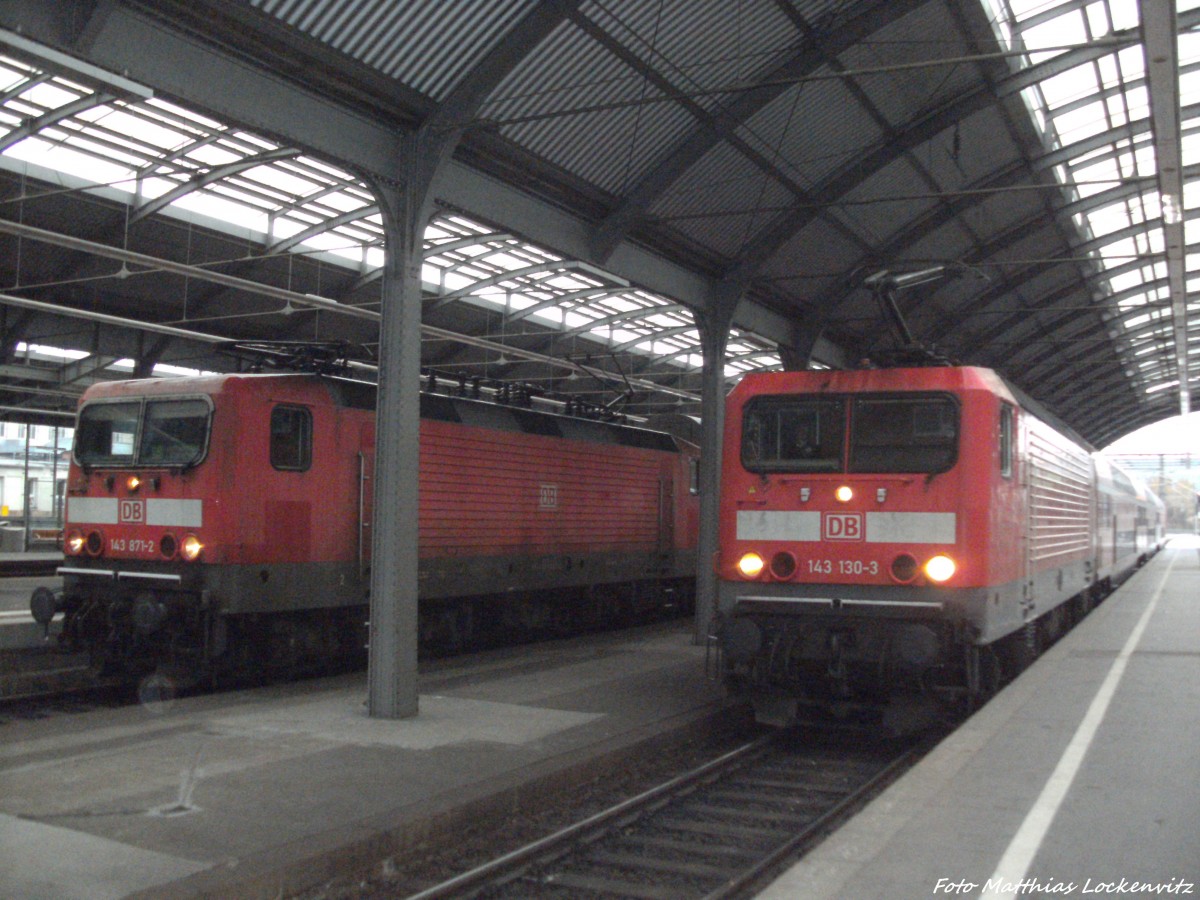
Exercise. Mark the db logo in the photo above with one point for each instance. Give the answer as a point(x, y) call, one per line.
point(132, 511)
point(842, 527)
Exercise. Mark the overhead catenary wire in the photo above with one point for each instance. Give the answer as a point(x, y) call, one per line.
point(302, 299)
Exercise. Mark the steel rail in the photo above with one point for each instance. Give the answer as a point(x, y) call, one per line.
point(530, 853)
point(847, 804)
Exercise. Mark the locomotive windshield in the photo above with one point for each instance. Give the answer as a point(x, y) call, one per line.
point(793, 434)
point(171, 433)
point(903, 434)
point(915, 433)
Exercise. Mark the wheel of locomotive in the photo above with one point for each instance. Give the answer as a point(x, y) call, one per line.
point(1056, 623)
point(1083, 603)
point(101, 660)
point(986, 675)
point(282, 648)
point(1019, 650)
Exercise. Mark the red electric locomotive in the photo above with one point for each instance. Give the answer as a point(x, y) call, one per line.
point(893, 541)
point(223, 522)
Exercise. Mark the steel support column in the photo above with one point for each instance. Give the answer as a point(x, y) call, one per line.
point(426, 153)
point(392, 663)
point(797, 354)
point(406, 208)
point(713, 324)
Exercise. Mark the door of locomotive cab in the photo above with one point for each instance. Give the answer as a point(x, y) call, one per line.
point(366, 495)
point(1025, 479)
point(666, 513)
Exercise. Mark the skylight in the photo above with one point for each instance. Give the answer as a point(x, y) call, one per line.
point(1116, 182)
point(169, 160)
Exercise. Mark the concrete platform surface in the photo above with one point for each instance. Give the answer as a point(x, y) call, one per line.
point(1079, 779)
point(260, 793)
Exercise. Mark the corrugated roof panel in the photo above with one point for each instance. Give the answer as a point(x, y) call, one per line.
point(559, 118)
point(950, 242)
point(568, 70)
point(1039, 242)
point(1005, 211)
point(926, 34)
point(967, 155)
point(723, 200)
point(699, 47)
point(631, 142)
point(815, 258)
point(886, 203)
point(817, 128)
point(426, 44)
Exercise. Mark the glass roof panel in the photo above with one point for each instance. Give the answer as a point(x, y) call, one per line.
point(1108, 97)
point(153, 148)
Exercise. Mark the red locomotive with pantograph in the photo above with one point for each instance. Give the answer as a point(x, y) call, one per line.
point(896, 542)
point(222, 523)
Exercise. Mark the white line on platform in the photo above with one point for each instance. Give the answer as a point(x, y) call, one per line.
point(1015, 862)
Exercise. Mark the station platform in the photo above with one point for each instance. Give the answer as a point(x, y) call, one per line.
point(267, 792)
point(17, 628)
point(40, 563)
point(1080, 778)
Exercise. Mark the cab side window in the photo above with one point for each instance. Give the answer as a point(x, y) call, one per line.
point(1006, 440)
point(291, 438)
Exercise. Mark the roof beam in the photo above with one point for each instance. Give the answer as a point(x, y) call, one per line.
point(780, 231)
point(346, 112)
point(212, 176)
point(33, 126)
point(321, 227)
point(806, 58)
point(1159, 32)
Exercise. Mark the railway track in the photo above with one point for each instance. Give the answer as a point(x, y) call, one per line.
point(64, 701)
point(38, 683)
point(26, 673)
point(713, 832)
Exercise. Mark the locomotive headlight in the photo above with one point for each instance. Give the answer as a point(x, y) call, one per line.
point(73, 542)
point(844, 494)
point(783, 565)
point(904, 568)
point(750, 565)
point(940, 568)
point(190, 548)
point(132, 483)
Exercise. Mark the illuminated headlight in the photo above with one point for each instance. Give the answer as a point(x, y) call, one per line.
point(750, 565)
point(73, 542)
point(132, 483)
point(844, 494)
point(940, 568)
point(190, 548)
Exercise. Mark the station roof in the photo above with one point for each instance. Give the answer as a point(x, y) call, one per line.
point(177, 173)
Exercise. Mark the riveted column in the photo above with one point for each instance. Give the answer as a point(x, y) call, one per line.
point(392, 663)
point(713, 324)
point(407, 208)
